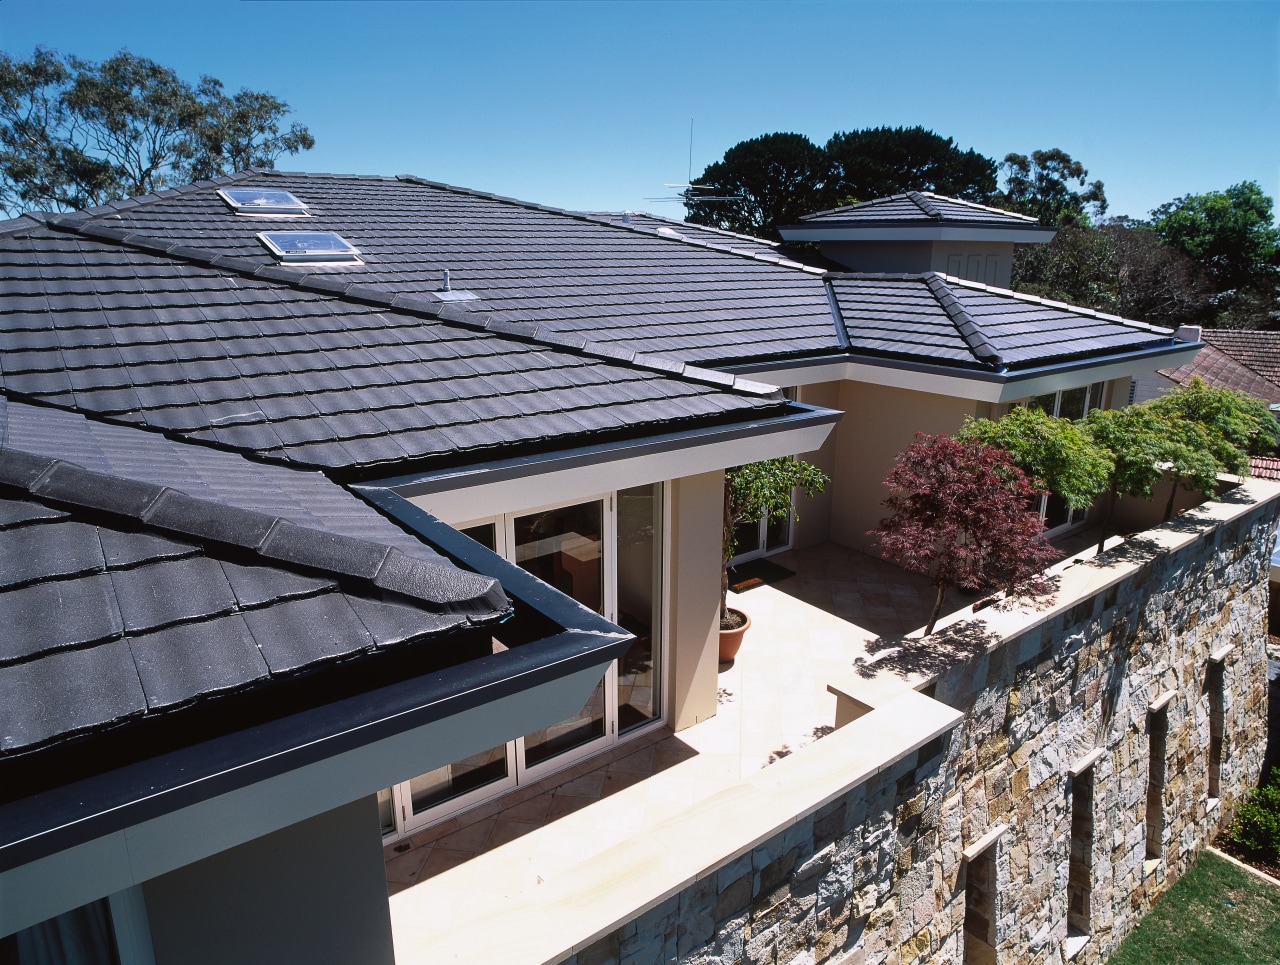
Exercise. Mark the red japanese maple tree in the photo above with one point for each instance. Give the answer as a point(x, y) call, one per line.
point(962, 513)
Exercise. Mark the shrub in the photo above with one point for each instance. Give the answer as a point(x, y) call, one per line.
point(1256, 828)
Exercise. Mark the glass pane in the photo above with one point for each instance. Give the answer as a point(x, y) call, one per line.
point(586, 725)
point(1045, 403)
point(563, 547)
point(486, 534)
point(82, 936)
point(386, 811)
point(746, 538)
point(777, 533)
point(457, 778)
point(1056, 512)
point(1072, 404)
point(1096, 395)
point(639, 602)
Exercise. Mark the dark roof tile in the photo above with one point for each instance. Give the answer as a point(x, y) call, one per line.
point(181, 663)
point(64, 693)
point(163, 593)
point(299, 633)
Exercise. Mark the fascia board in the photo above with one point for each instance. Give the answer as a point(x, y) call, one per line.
point(66, 878)
point(457, 496)
point(1029, 235)
point(976, 385)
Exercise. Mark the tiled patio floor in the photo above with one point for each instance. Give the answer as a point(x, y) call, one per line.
point(807, 630)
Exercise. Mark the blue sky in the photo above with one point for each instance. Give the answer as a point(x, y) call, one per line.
point(587, 105)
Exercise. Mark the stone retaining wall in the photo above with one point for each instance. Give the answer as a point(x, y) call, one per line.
point(1058, 720)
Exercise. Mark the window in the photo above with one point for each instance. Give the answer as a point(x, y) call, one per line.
point(1080, 861)
point(82, 936)
point(980, 908)
point(606, 553)
point(1216, 702)
point(1066, 404)
point(1157, 735)
point(254, 201)
point(309, 246)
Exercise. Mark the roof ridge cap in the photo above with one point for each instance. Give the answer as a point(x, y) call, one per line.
point(925, 204)
point(419, 305)
point(970, 331)
point(391, 572)
point(1074, 309)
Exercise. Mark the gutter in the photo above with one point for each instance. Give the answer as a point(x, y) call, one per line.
point(799, 416)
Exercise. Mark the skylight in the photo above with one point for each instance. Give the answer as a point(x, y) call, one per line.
point(309, 246)
point(262, 201)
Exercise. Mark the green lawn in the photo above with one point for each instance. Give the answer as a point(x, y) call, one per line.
point(1216, 914)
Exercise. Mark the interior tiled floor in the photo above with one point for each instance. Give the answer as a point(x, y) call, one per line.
point(806, 630)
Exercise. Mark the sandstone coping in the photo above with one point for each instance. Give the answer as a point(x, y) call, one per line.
point(553, 919)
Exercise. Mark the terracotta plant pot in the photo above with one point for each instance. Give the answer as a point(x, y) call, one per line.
point(731, 640)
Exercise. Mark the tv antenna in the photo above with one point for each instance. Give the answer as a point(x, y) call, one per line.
point(694, 192)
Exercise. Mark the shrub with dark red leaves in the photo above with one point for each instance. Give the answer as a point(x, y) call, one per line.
point(961, 513)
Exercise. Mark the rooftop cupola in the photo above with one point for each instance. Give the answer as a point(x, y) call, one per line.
point(918, 232)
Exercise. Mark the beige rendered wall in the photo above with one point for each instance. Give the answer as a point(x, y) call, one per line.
point(879, 423)
point(814, 523)
point(313, 892)
point(697, 509)
point(986, 262)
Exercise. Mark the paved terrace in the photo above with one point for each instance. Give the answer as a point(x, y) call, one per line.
point(842, 610)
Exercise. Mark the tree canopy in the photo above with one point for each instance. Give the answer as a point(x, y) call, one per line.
point(1040, 185)
point(778, 178)
point(1232, 238)
point(958, 511)
point(74, 133)
point(879, 161)
point(1053, 452)
point(1120, 268)
point(770, 180)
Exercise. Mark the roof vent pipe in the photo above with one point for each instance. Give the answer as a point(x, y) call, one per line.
point(444, 282)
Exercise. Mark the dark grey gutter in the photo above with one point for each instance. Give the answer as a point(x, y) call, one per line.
point(976, 374)
point(417, 484)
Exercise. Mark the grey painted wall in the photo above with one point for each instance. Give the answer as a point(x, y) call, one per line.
point(314, 892)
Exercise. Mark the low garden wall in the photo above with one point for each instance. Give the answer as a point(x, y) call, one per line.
point(1070, 789)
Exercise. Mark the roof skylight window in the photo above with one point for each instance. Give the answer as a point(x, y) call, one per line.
point(262, 201)
point(309, 246)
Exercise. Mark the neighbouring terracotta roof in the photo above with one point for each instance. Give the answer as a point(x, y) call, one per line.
point(1223, 369)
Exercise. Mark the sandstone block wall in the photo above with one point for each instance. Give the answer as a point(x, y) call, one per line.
point(1057, 737)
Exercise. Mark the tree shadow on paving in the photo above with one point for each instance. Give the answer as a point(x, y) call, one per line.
point(904, 656)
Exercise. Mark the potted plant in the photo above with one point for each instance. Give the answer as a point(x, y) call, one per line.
point(751, 493)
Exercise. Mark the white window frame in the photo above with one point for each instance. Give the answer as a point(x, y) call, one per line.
point(518, 773)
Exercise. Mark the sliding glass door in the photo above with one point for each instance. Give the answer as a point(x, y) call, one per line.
point(605, 553)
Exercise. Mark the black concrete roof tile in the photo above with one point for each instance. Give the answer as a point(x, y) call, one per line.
point(392, 623)
point(255, 586)
point(181, 663)
point(122, 549)
point(299, 633)
point(172, 591)
point(56, 615)
point(331, 552)
point(61, 694)
point(16, 513)
point(53, 549)
point(206, 520)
